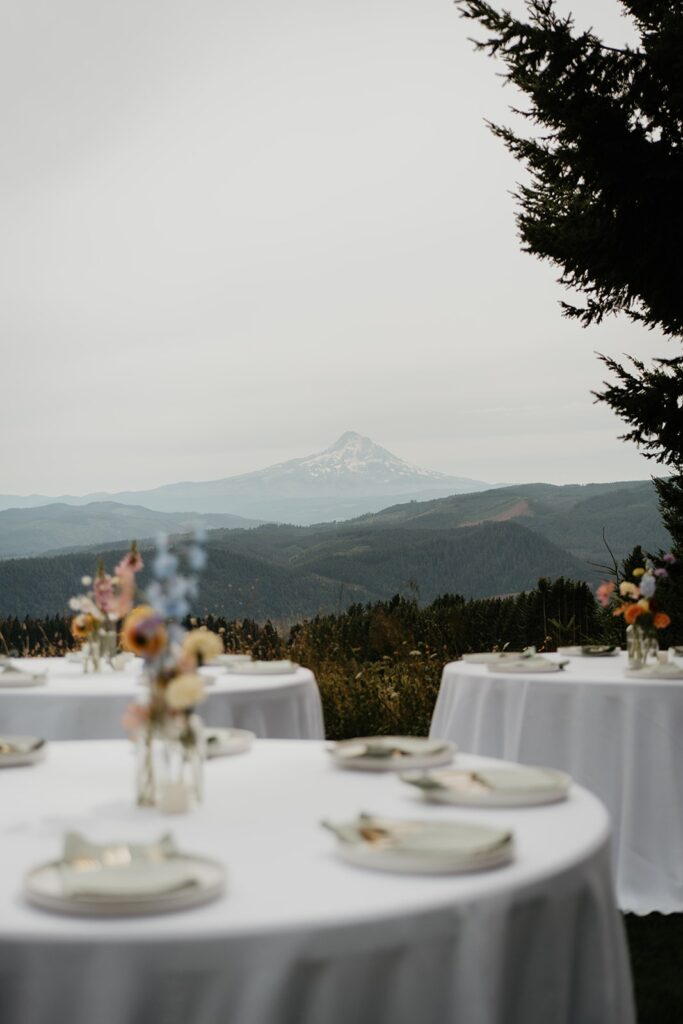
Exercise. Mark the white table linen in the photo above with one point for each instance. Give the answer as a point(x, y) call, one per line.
point(73, 705)
point(620, 737)
point(301, 937)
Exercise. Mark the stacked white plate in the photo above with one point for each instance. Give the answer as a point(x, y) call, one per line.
point(230, 660)
point(262, 668)
point(121, 879)
point(589, 651)
point(523, 665)
point(391, 753)
point(222, 742)
point(667, 671)
point(496, 786)
point(421, 847)
point(18, 750)
point(12, 677)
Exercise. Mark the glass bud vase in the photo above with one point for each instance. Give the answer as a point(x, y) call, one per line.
point(170, 763)
point(641, 644)
point(92, 654)
point(109, 642)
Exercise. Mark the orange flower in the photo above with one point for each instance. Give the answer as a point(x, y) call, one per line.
point(82, 626)
point(661, 620)
point(143, 632)
point(632, 612)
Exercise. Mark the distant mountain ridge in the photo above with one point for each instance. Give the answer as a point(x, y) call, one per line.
point(353, 476)
point(488, 544)
point(50, 528)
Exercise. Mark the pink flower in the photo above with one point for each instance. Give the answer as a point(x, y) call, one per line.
point(134, 718)
point(668, 557)
point(604, 593)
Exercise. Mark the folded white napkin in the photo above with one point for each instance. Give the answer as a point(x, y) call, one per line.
point(119, 870)
point(450, 837)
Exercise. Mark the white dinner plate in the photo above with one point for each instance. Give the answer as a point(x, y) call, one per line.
point(527, 665)
point(27, 750)
point(391, 753)
point(13, 678)
point(44, 888)
point(420, 847)
point(221, 742)
point(490, 657)
point(228, 660)
point(503, 786)
point(589, 651)
point(669, 671)
point(262, 668)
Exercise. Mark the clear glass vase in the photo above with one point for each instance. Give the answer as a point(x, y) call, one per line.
point(92, 654)
point(170, 763)
point(109, 642)
point(641, 645)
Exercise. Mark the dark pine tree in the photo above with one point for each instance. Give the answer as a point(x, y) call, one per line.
point(604, 202)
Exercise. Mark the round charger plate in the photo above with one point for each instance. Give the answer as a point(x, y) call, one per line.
point(262, 668)
point(670, 671)
point(458, 786)
point(489, 657)
point(31, 756)
point(589, 651)
point(417, 752)
point(227, 741)
point(526, 665)
point(437, 861)
point(43, 888)
point(227, 660)
point(14, 679)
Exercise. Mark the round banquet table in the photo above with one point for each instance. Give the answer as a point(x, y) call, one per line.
point(620, 737)
point(73, 705)
point(300, 936)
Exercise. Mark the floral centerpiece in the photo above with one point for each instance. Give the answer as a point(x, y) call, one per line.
point(99, 610)
point(637, 600)
point(167, 729)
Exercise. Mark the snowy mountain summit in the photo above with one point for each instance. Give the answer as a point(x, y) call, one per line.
point(360, 459)
point(351, 477)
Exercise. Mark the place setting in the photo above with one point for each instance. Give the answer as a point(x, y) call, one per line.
point(121, 879)
point(421, 847)
point(12, 677)
point(501, 785)
point(16, 751)
point(391, 753)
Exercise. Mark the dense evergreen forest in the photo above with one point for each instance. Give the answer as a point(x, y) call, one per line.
point(379, 664)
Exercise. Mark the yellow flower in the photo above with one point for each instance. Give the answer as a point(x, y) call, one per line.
point(644, 604)
point(82, 626)
point(202, 645)
point(627, 589)
point(184, 692)
point(638, 572)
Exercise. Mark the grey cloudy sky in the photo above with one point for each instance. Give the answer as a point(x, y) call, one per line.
point(233, 229)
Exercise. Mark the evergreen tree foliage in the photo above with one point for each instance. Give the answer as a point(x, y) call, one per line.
point(604, 202)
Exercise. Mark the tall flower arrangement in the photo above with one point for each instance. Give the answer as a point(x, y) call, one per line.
point(100, 608)
point(166, 727)
point(637, 600)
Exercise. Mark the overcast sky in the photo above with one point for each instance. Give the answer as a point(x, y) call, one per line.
point(234, 229)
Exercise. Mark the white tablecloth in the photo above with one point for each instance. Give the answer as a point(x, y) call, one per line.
point(621, 738)
point(73, 705)
point(301, 937)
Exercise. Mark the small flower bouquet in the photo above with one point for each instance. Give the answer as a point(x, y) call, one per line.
point(99, 610)
point(636, 599)
point(167, 730)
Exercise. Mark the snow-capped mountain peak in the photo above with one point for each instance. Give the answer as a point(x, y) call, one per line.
point(354, 455)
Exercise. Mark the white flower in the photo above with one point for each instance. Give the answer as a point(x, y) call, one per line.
point(184, 692)
point(86, 580)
